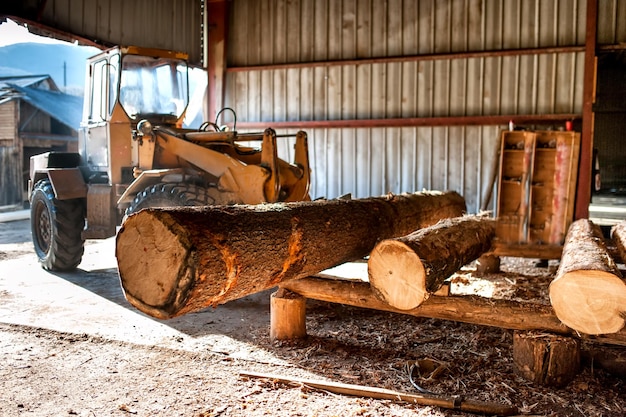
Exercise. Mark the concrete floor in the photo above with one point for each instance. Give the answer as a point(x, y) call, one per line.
point(90, 301)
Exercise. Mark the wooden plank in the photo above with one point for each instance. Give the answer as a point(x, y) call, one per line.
point(514, 315)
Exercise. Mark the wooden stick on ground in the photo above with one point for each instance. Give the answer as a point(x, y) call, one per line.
point(404, 271)
point(179, 260)
point(444, 401)
point(588, 293)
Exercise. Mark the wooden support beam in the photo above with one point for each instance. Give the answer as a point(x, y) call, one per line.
point(514, 315)
point(583, 192)
point(216, 30)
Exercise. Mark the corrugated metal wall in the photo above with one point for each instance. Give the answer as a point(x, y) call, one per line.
point(375, 161)
point(166, 24)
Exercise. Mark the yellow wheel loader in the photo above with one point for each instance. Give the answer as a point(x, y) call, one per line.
point(134, 154)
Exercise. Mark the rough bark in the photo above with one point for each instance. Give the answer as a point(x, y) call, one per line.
point(588, 293)
point(404, 271)
point(179, 260)
point(618, 233)
point(546, 359)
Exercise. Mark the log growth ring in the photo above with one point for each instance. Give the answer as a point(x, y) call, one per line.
point(391, 262)
point(591, 302)
point(162, 250)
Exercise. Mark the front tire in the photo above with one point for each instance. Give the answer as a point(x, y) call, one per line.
point(163, 195)
point(56, 227)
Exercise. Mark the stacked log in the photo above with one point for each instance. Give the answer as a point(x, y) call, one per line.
point(405, 271)
point(618, 233)
point(173, 261)
point(588, 293)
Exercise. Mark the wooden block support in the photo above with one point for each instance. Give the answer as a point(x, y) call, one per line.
point(546, 359)
point(287, 315)
point(488, 264)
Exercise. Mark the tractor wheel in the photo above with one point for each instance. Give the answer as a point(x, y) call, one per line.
point(56, 227)
point(170, 195)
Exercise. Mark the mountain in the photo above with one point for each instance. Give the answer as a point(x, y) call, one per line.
point(64, 63)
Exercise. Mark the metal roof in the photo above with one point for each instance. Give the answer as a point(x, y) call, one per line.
point(65, 108)
point(25, 81)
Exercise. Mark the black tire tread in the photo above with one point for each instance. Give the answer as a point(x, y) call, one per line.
point(170, 195)
point(67, 219)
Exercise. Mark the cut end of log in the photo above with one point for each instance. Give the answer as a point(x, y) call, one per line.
point(397, 274)
point(158, 249)
point(591, 302)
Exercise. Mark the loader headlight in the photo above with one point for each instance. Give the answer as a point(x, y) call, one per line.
point(144, 127)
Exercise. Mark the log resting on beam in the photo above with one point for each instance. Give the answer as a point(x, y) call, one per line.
point(588, 293)
point(513, 315)
point(404, 271)
point(174, 261)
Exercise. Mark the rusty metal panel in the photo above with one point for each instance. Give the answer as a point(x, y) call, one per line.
point(370, 162)
point(374, 161)
point(166, 24)
point(67, 183)
point(527, 84)
point(612, 18)
point(283, 31)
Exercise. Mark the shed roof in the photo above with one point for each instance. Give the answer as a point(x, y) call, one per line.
point(26, 81)
point(65, 108)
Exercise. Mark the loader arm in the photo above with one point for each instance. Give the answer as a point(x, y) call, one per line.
point(253, 183)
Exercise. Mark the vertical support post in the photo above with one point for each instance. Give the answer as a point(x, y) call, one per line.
point(287, 315)
point(583, 192)
point(216, 31)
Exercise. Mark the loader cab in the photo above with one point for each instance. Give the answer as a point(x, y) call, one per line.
point(123, 86)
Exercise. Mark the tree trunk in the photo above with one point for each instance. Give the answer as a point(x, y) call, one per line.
point(176, 261)
point(404, 271)
point(588, 293)
point(546, 359)
point(618, 232)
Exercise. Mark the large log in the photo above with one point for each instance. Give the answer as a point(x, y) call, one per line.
point(179, 260)
point(588, 293)
point(404, 271)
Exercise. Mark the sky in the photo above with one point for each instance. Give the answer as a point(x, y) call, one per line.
point(11, 32)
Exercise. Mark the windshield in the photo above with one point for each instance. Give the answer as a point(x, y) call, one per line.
point(153, 86)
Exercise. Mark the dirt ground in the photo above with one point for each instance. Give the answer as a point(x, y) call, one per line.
point(71, 345)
